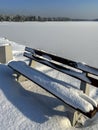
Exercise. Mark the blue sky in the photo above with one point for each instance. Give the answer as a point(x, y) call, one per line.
point(67, 8)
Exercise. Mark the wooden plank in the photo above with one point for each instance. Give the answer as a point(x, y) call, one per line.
point(74, 64)
point(77, 75)
point(58, 67)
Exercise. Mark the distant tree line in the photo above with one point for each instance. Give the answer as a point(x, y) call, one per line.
point(22, 18)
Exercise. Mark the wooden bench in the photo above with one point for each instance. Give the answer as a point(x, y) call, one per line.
point(59, 88)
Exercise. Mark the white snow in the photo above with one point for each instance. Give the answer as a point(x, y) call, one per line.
point(27, 106)
point(74, 40)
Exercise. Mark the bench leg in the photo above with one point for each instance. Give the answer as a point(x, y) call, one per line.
point(85, 87)
point(72, 114)
point(32, 63)
point(74, 117)
point(19, 77)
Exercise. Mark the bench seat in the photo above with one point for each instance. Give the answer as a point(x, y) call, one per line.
point(69, 95)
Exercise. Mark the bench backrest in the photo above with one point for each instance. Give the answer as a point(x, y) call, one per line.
point(78, 70)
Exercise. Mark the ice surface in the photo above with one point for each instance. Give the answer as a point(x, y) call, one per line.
point(73, 40)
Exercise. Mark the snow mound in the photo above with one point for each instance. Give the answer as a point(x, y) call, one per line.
point(17, 49)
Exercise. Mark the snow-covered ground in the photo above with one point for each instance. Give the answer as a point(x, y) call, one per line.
point(74, 40)
point(25, 105)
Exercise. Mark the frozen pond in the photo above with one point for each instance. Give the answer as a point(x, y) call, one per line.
point(75, 40)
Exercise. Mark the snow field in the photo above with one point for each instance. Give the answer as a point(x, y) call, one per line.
point(22, 109)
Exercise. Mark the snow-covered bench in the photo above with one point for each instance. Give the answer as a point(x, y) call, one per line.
point(67, 93)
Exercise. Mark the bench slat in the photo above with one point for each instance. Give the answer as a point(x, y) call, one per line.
point(77, 65)
point(78, 75)
point(68, 71)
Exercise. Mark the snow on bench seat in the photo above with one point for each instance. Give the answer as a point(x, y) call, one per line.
point(71, 96)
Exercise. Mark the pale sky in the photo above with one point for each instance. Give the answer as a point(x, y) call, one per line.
point(66, 8)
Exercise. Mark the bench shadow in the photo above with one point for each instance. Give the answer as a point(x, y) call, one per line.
point(35, 106)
